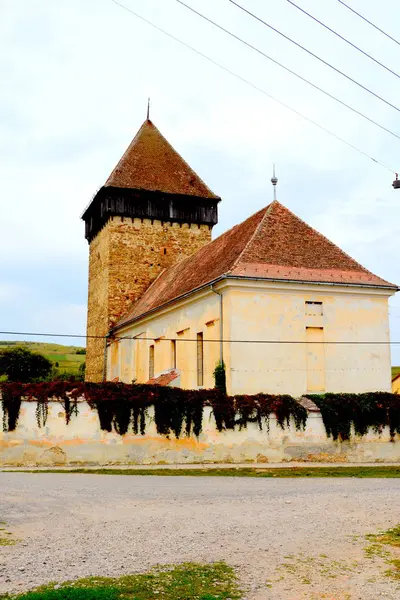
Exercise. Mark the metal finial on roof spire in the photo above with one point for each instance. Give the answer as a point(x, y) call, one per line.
point(148, 109)
point(274, 181)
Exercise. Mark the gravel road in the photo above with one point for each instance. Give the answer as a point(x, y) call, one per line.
point(287, 538)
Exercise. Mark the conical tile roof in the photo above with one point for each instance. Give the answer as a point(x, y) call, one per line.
point(151, 163)
point(273, 244)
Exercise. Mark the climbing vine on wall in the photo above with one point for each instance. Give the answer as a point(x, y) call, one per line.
point(125, 407)
point(258, 409)
point(343, 412)
point(11, 403)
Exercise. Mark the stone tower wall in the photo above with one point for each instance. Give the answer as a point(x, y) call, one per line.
point(125, 257)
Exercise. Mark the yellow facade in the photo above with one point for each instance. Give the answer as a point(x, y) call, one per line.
point(279, 337)
point(396, 385)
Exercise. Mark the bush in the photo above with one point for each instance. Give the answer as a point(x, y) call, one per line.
point(220, 377)
point(24, 366)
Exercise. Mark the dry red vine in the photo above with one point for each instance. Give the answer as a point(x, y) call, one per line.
point(123, 407)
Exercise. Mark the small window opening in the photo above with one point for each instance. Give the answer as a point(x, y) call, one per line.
point(314, 308)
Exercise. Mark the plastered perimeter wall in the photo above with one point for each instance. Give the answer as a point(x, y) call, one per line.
point(83, 443)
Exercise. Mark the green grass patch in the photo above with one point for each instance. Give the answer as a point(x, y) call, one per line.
point(389, 537)
point(189, 581)
point(394, 571)
point(5, 536)
point(359, 472)
point(380, 541)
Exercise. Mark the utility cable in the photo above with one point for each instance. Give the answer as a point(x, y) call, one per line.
point(326, 63)
point(254, 86)
point(343, 38)
point(239, 39)
point(182, 339)
point(369, 22)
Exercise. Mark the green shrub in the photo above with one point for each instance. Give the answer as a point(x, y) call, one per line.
point(220, 377)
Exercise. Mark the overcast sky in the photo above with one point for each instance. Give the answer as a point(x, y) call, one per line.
point(75, 77)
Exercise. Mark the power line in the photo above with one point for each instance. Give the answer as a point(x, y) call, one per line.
point(309, 52)
point(182, 339)
point(343, 38)
point(254, 86)
point(239, 39)
point(369, 22)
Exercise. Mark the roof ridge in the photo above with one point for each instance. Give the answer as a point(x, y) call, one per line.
point(267, 211)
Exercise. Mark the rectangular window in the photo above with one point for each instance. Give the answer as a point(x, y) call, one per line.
point(200, 359)
point(151, 362)
point(314, 308)
point(315, 359)
point(173, 354)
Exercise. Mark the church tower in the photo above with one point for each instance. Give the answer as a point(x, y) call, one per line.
point(152, 212)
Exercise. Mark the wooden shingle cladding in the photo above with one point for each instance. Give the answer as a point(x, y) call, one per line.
point(144, 204)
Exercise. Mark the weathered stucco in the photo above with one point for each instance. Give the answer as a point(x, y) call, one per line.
point(124, 259)
point(83, 443)
point(303, 354)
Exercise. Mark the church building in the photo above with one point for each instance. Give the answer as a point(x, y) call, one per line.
point(280, 305)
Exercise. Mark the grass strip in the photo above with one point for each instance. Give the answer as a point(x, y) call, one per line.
point(361, 472)
point(188, 581)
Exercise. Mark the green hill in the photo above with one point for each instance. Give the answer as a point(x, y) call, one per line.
point(66, 356)
point(395, 371)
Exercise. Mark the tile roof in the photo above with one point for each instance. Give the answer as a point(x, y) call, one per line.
point(271, 244)
point(164, 378)
point(151, 163)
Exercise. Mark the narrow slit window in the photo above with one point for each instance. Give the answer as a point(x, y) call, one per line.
point(151, 362)
point(200, 359)
point(314, 308)
point(173, 354)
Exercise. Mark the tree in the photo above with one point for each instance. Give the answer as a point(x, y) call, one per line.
point(20, 364)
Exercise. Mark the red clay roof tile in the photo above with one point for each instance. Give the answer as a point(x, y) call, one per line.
point(271, 244)
point(151, 163)
point(164, 378)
